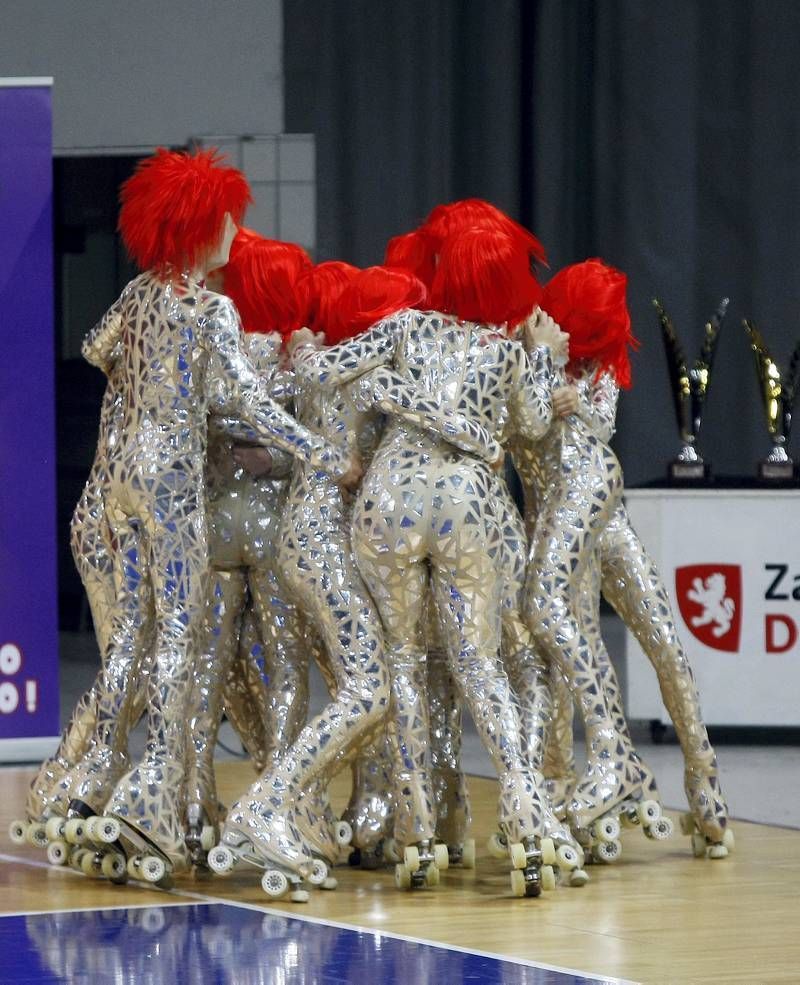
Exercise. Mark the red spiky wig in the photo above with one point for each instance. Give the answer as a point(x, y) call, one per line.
point(371, 295)
point(413, 252)
point(484, 276)
point(468, 213)
point(588, 301)
point(174, 205)
point(319, 290)
point(261, 279)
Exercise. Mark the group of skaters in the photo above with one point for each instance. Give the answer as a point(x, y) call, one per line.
point(304, 461)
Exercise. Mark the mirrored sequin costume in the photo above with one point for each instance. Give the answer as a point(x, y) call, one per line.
point(320, 579)
point(575, 481)
point(425, 513)
point(631, 583)
point(244, 513)
point(180, 357)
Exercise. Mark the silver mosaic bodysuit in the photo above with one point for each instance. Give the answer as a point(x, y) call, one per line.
point(180, 358)
point(426, 514)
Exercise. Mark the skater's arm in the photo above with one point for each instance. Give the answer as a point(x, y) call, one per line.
point(530, 402)
point(338, 364)
point(384, 389)
point(248, 394)
point(101, 345)
point(597, 402)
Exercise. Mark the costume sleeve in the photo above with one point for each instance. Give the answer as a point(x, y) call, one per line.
point(246, 393)
point(597, 403)
point(530, 402)
point(101, 345)
point(338, 364)
point(392, 394)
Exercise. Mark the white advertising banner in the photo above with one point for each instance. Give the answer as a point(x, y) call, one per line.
point(731, 562)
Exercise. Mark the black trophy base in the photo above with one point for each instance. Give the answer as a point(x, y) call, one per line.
point(776, 472)
point(689, 473)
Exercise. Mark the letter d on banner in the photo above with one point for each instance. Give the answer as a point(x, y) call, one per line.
point(29, 707)
point(780, 633)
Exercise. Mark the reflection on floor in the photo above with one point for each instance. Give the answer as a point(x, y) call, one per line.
point(223, 943)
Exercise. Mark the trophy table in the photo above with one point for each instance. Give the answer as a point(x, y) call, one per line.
point(690, 386)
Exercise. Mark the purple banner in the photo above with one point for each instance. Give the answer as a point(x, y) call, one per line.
point(29, 703)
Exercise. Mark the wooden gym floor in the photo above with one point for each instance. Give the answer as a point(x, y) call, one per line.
point(657, 916)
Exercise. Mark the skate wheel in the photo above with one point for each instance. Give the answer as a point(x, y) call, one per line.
point(390, 850)
point(16, 832)
point(432, 876)
point(274, 883)
point(54, 828)
point(629, 819)
point(517, 882)
point(88, 867)
point(698, 845)
point(688, 826)
point(221, 859)
point(330, 883)
point(402, 876)
point(548, 849)
point(441, 857)
point(547, 875)
point(343, 832)
point(661, 829)
point(608, 829)
point(57, 853)
point(608, 851)
point(728, 839)
point(567, 858)
point(649, 811)
point(519, 857)
point(113, 865)
point(411, 858)
point(153, 868)
point(75, 830)
point(299, 896)
point(319, 872)
point(106, 830)
point(75, 858)
point(468, 854)
point(578, 877)
point(208, 838)
point(497, 846)
point(717, 851)
point(36, 835)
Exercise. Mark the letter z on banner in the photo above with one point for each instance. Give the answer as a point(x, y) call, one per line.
point(29, 708)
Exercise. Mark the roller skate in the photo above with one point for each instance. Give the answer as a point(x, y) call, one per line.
point(370, 812)
point(323, 834)
point(566, 857)
point(269, 840)
point(38, 805)
point(145, 813)
point(707, 824)
point(532, 853)
point(202, 832)
point(609, 794)
point(453, 816)
point(419, 858)
point(559, 791)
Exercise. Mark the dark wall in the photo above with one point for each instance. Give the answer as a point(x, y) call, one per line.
point(664, 137)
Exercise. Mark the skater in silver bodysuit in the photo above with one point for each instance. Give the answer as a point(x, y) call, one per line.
point(622, 568)
point(318, 570)
point(179, 353)
point(244, 514)
point(426, 508)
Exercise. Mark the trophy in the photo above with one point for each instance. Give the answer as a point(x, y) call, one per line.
point(689, 390)
point(778, 391)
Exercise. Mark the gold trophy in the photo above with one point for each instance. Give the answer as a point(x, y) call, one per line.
point(778, 391)
point(689, 390)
